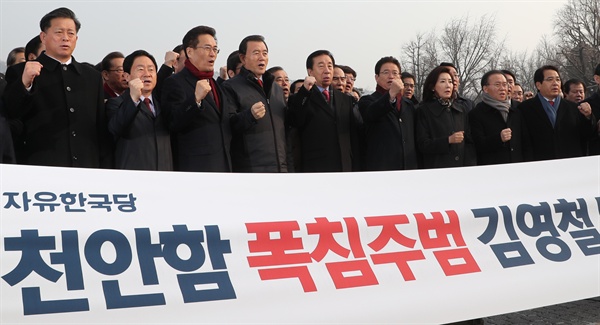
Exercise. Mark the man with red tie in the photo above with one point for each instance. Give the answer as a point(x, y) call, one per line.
point(142, 140)
point(324, 117)
point(258, 119)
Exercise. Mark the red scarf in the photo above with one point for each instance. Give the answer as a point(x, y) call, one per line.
point(382, 91)
point(205, 75)
point(109, 91)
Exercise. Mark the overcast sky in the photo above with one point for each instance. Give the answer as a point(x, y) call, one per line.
point(358, 33)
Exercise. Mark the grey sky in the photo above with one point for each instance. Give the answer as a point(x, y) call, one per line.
point(358, 33)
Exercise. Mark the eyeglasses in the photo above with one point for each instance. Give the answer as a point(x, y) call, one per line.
point(209, 48)
point(119, 70)
point(339, 78)
point(350, 79)
point(388, 72)
point(500, 85)
point(409, 85)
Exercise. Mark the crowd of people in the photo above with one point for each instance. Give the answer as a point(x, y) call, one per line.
point(128, 112)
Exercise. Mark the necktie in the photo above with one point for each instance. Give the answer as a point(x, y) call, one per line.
point(147, 103)
point(551, 103)
point(326, 94)
point(260, 83)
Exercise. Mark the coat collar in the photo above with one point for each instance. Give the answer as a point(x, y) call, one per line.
point(52, 64)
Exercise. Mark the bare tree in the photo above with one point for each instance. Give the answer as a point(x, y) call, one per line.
point(578, 34)
point(472, 49)
point(420, 57)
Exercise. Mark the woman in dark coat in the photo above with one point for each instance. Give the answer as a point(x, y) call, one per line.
point(443, 132)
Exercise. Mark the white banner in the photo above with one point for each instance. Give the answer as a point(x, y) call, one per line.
point(427, 246)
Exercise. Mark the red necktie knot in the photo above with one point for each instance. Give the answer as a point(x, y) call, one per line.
point(326, 94)
point(147, 103)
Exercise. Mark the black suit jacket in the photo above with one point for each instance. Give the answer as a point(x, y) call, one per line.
point(201, 135)
point(486, 125)
point(328, 133)
point(63, 116)
point(390, 136)
point(142, 140)
point(594, 142)
point(566, 139)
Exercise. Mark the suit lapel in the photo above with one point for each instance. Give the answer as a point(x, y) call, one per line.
point(538, 108)
point(320, 102)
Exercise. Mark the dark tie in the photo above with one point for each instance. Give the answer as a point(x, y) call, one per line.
point(260, 83)
point(326, 94)
point(551, 103)
point(147, 103)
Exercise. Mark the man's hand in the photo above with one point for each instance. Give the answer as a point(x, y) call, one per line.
point(32, 70)
point(258, 110)
point(135, 89)
point(585, 109)
point(202, 89)
point(506, 135)
point(171, 59)
point(457, 137)
point(309, 82)
point(396, 88)
point(223, 73)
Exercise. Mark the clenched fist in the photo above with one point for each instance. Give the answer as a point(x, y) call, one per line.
point(135, 89)
point(396, 88)
point(258, 110)
point(457, 137)
point(202, 89)
point(309, 82)
point(32, 70)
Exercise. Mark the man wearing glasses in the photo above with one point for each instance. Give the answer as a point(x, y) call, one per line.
point(557, 128)
point(196, 109)
point(113, 75)
point(409, 82)
point(389, 120)
point(258, 123)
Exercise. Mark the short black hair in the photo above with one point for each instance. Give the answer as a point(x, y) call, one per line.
point(597, 70)
point(508, 72)
point(407, 75)
point(252, 38)
point(33, 46)
point(128, 62)
point(384, 60)
point(295, 84)
point(538, 76)
point(486, 77)
point(233, 60)
point(272, 70)
point(567, 86)
point(349, 70)
point(448, 64)
point(191, 37)
point(59, 13)
point(106, 62)
point(12, 56)
point(313, 55)
point(178, 48)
